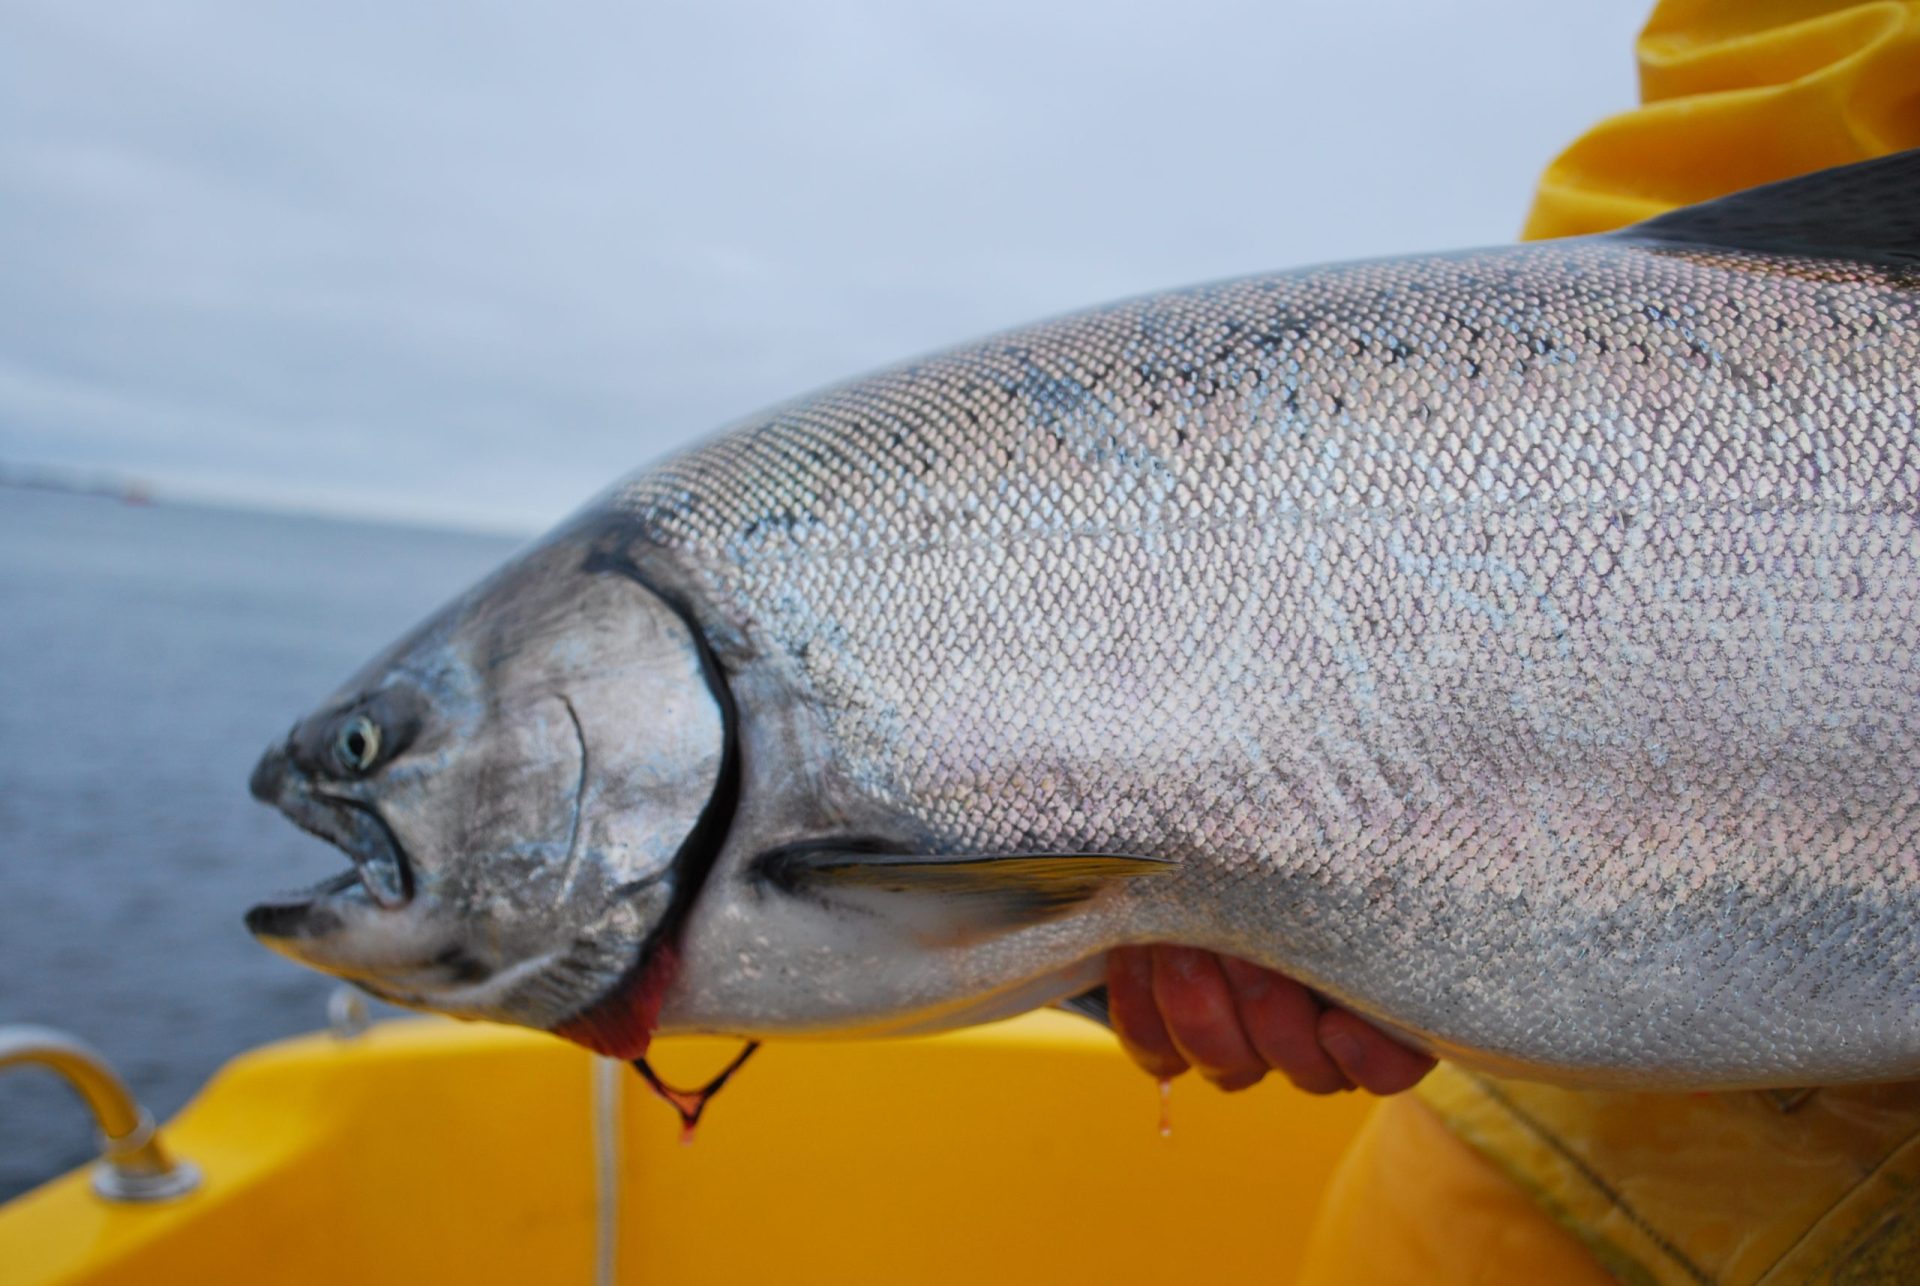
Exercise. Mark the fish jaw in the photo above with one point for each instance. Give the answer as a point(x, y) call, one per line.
point(386, 924)
point(337, 928)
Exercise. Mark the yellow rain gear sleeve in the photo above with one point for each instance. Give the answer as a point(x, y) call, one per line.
point(1475, 1179)
point(1763, 1187)
point(1411, 1202)
point(1735, 93)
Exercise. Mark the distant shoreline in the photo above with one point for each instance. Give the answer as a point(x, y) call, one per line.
point(105, 486)
point(135, 492)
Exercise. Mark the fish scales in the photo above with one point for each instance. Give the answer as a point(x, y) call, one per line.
point(1517, 645)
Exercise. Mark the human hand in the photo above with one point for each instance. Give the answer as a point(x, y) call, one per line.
point(1180, 1007)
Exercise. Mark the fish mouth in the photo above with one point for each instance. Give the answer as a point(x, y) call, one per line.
point(380, 864)
point(285, 915)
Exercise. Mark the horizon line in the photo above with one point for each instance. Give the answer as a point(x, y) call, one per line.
point(110, 484)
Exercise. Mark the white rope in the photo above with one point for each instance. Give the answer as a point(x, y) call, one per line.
point(608, 1080)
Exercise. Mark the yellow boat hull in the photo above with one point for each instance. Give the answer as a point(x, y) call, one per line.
point(429, 1151)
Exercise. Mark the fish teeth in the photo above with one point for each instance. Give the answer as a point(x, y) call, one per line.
point(339, 882)
point(380, 875)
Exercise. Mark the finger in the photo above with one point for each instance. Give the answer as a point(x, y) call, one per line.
point(1370, 1058)
point(1197, 1006)
point(1135, 1016)
point(1282, 1018)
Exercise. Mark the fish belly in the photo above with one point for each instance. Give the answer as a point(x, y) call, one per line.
point(1519, 646)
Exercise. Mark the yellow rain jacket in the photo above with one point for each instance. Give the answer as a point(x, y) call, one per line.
point(1489, 1181)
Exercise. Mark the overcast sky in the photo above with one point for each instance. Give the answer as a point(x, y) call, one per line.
point(471, 262)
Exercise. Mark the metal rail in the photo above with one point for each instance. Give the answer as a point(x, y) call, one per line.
point(133, 1165)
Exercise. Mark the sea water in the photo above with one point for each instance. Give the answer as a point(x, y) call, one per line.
point(148, 654)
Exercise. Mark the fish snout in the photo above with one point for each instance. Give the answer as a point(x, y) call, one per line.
point(269, 777)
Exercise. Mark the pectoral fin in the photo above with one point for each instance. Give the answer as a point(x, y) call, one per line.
point(1091, 1005)
point(992, 890)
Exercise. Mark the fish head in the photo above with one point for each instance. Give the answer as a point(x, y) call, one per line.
point(515, 782)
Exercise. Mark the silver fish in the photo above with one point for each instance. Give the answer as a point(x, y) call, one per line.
point(1517, 645)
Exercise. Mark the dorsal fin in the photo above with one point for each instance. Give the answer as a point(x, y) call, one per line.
point(1868, 212)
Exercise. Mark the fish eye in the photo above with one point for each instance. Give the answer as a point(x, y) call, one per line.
point(357, 744)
